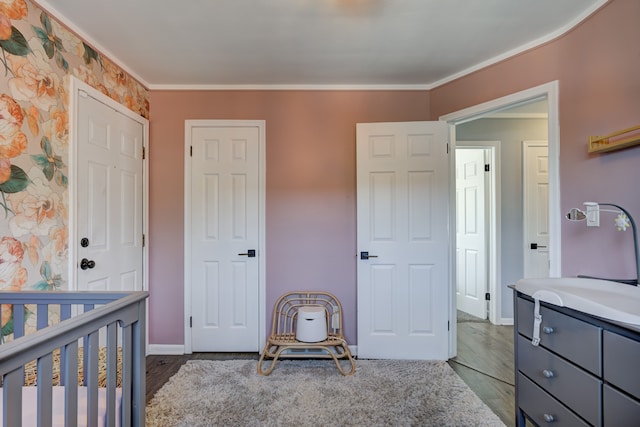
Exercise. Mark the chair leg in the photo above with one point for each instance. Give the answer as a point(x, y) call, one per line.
point(266, 356)
point(346, 353)
point(271, 366)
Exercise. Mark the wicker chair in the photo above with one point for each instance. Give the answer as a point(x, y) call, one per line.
point(283, 343)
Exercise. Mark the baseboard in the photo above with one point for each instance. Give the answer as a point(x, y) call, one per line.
point(178, 349)
point(353, 349)
point(506, 321)
point(165, 349)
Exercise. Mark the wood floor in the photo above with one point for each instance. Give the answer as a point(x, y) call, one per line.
point(484, 362)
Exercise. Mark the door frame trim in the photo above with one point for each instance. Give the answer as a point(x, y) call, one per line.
point(550, 91)
point(494, 230)
point(188, 126)
point(76, 87)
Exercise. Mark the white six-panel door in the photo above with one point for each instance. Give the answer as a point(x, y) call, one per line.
point(471, 251)
point(110, 198)
point(536, 208)
point(224, 237)
point(403, 224)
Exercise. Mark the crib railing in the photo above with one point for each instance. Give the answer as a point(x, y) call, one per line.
point(120, 315)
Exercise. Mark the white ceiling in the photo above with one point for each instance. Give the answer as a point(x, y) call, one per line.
point(306, 43)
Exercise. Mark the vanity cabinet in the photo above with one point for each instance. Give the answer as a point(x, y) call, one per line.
point(584, 372)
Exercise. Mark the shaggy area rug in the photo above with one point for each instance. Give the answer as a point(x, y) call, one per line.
point(313, 393)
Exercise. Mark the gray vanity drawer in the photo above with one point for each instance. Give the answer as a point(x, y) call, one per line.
point(621, 357)
point(619, 409)
point(577, 389)
point(573, 339)
point(537, 404)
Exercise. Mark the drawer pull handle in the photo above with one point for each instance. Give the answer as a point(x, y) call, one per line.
point(548, 373)
point(549, 418)
point(547, 330)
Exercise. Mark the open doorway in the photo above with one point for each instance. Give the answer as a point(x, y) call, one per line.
point(474, 123)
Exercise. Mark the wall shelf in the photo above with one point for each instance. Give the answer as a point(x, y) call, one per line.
point(603, 144)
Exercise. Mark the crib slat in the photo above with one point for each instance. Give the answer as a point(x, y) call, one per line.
point(65, 311)
point(18, 320)
point(45, 396)
point(12, 398)
point(112, 373)
point(71, 385)
point(91, 379)
point(42, 316)
point(138, 383)
point(127, 373)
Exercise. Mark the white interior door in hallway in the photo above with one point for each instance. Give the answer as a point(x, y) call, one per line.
point(535, 158)
point(403, 240)
point(471, 243)
point(224, 234)
point(108, 240)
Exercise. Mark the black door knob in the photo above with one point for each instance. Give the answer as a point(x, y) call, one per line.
point(85, 263)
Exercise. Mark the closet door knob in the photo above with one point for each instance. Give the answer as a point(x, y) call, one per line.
point(547, 330)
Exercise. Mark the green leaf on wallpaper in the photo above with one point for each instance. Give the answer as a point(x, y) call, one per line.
point(48, 171)
point(50, 281)
point(49, 162)
point(89, 54)
point(41, 160)
point(45, 270)
point(61, 179)
point(46, 23)
point(45, 144)
point(62, 63)
point(16, 44)
point(55, 40)
point(17, 182)
point(47, 44)
point(8, 328)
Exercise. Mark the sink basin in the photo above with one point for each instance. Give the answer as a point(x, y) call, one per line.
point(603, 298)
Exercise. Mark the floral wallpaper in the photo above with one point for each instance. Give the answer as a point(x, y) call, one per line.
point(37, 54)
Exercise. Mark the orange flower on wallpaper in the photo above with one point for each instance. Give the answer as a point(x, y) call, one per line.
point(12, 141)
point(10, 9)
point(14, 9)
point(115, 79)
point(13, 275)
point(35, 208)
point(33, 83)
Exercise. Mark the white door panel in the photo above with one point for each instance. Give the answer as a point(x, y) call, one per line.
point(110, 198)
point(225, 228)
point(536, 208)
point(402, 201)
point(471, 264)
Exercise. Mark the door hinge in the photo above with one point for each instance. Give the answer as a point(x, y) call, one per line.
point(487, 296)
point(447, 148)
point(191, 151)
point(144, 153)
point(190, 321)
point(448, 325)
point(487, 167)
point(143, 240)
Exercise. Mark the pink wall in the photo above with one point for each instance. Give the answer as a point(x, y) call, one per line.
point(598, 69)
point(311, 188)
point(311, 161)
